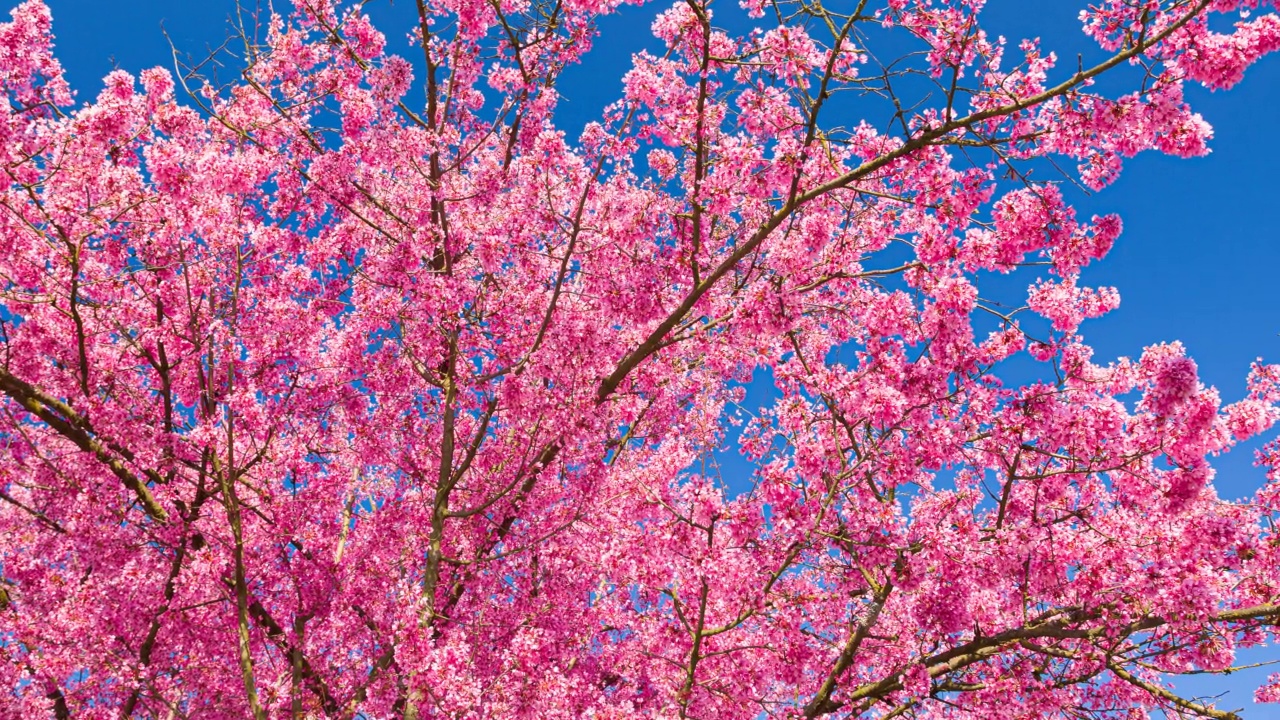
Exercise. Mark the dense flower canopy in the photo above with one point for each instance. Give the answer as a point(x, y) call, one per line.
point(349, 385)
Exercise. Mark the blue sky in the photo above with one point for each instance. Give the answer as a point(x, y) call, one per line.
point(1197, 262)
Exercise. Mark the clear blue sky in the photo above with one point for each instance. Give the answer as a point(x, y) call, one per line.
point(1198, 260)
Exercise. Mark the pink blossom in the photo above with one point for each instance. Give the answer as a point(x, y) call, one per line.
point(1175, 383)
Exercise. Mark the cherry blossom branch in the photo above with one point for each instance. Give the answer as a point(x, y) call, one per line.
point(654, 339)
point(1054, 625)
point(66, 422)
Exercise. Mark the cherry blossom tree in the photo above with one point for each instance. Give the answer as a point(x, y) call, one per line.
point(342, 384)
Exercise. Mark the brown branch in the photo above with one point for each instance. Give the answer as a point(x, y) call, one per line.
point(66, 422)
point(1055, 624)
point(821, 704)
point(44, 519)
point(275, 633)
point(153, 631)
point(1163, 694)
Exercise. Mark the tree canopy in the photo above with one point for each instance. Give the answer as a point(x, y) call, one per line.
point(340, 384)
